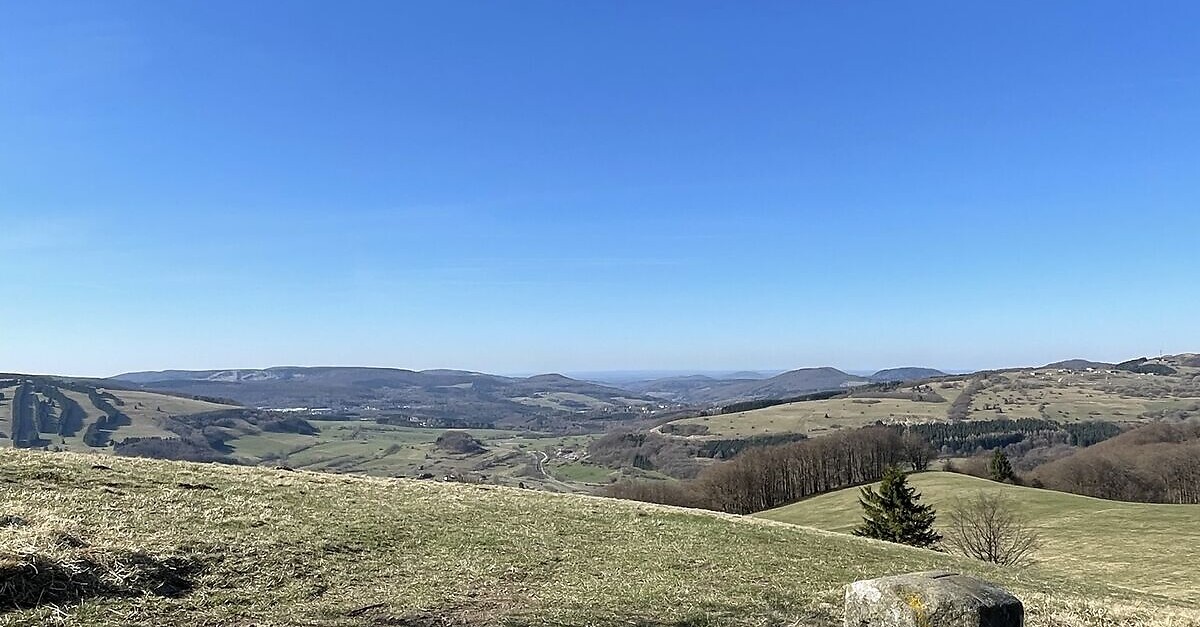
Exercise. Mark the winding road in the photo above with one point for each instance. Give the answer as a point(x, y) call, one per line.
point(539, 460)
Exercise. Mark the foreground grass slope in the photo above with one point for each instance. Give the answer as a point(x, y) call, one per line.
point(1138, 546)
point(166, 543)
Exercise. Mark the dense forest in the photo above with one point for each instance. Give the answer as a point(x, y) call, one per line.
point(972, 437)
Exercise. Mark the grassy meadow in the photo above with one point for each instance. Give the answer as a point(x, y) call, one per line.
point(818, 417)
point(149, 405)
point(1052, 394)
point(123, 541)
point(1149, 548)
point(1080, 396)
point(365, 447)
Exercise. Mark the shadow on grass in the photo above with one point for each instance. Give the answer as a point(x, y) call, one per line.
point(29, 581)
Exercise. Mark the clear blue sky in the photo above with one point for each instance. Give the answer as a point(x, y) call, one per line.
point(558, 186)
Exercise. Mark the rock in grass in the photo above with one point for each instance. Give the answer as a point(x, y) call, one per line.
point(932, 599)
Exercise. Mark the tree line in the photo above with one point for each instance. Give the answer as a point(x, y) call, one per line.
point(971, 437)
point(741, 406)
point(99, 432)
point(763, 478)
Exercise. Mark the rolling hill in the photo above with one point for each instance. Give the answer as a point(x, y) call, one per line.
point(435, 397)
point(703, 390)
point(707, 390)
point(105, 416)
point(81, 414)
point(1060, 395)
point(349, 388)
point(905, 374)
point(1079, 364)
point(1145, 547)
point(131, 541)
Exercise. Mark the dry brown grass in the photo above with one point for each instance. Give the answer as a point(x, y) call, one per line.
point(266, 547)
point(42, 564)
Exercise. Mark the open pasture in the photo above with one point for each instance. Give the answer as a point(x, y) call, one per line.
point(1150, 548)
point(1064, 396)
point(267, 547)
point(823, 416)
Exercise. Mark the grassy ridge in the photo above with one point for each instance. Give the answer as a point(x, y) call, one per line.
point(1146, 547)
point(78, 404)
point(265, 547)
point(1049, 394)
point(822, 416)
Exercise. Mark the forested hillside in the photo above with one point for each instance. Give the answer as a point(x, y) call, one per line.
point(430, 398)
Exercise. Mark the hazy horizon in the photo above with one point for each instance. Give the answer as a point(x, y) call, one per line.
point(592, 373)
point(589, 187)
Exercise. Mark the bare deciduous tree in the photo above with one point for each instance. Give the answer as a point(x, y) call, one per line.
point(987, 527)
point(917, 450)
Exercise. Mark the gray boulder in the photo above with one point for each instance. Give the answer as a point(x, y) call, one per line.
point(933, 599)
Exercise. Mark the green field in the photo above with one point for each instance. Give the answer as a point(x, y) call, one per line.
point(365, 447)
point(568, 401)
point(1149, 548)
point(241, 546)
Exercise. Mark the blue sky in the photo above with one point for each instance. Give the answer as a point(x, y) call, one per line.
point(558, 186)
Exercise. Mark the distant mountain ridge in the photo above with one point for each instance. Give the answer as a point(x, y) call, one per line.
point(1078, 364)
point(288, 386)
point(450, 396)
point(700, 389)
point(905, 374)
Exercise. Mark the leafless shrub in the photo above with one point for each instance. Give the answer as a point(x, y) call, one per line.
point(987, 527)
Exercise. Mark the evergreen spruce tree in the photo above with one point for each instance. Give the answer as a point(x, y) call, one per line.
point(895, 513)
point(999, 468)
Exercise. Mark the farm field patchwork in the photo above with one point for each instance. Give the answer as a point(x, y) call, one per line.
point(511, 457)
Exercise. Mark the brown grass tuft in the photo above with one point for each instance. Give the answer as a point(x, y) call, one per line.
point(42, 565)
